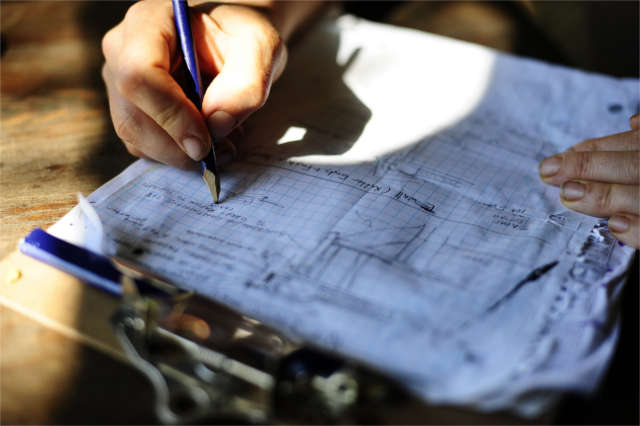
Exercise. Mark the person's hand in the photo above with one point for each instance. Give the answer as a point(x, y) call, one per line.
point(237, 46)
point(601, 177)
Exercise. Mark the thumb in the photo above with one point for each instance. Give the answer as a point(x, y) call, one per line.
point(635, 122)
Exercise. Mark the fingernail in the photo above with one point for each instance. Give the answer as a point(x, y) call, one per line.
point(618, 223)
point(220, 123)
point(572, 191)
point(550, 166)
point(194, 148)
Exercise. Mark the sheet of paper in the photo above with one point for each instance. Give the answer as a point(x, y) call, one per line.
point(387, 206)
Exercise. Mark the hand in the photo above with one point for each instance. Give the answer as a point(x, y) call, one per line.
point(151, 114)
point(601, 177)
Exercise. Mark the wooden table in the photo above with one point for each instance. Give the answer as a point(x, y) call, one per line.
point(57, 140)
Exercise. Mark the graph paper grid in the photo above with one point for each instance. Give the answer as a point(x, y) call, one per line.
point(405, 260)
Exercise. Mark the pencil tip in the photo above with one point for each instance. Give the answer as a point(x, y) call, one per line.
point(216, 197)
point(213, 183)
point(210, 175)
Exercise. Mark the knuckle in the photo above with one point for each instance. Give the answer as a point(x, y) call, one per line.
point(128, 78)
point(108, 42)
point(604, 198)
point(168, 117)
point(127, 128)
point(255, 94)
point(581, 164)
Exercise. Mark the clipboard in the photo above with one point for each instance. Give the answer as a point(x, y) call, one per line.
point(302, 384)
point(34, 289)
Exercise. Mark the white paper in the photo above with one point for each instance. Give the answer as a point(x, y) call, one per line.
point(387, 207)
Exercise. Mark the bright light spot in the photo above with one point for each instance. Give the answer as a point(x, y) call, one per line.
point(415, 85)
point(241, 333)
point(293, 134)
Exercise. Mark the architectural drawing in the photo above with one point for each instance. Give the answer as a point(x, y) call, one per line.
point(391, 247)
point(399, 218)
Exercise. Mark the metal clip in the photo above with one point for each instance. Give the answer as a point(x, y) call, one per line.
point(191, 383)
point(208, 363)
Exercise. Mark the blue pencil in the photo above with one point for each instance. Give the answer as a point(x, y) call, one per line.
point(193, 90)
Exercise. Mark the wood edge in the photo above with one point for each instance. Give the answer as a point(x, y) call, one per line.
point(38, 294)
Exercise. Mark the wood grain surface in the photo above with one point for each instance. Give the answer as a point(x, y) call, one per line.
point(56, 134)
point(56, 141)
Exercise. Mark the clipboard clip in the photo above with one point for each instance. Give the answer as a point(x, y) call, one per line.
point(209, 363)
point(244, 371)
point(191, 383)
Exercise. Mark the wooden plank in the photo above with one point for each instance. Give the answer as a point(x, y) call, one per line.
point(57, 139)
point(59, 301)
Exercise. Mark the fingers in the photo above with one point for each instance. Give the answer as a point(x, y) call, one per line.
point(253, 54)
point(142, 136)
point(626, 228)
point(138, 56)
point(600, 199)
point(625, 141)
point(602, 166)
point(238, 45)
point(601, 177)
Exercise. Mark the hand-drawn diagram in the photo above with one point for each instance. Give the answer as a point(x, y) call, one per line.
point(420, 261)
point(390, 247)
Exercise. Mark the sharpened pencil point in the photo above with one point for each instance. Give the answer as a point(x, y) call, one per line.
point(213, 182)
point(210, 175)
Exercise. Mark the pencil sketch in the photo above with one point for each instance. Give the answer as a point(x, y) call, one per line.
point(400, 250)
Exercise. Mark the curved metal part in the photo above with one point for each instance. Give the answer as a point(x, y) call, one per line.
point(208, 363)
point(123, 323)
point(188, 386)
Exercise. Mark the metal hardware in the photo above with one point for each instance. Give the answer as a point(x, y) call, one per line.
point(208, 363)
